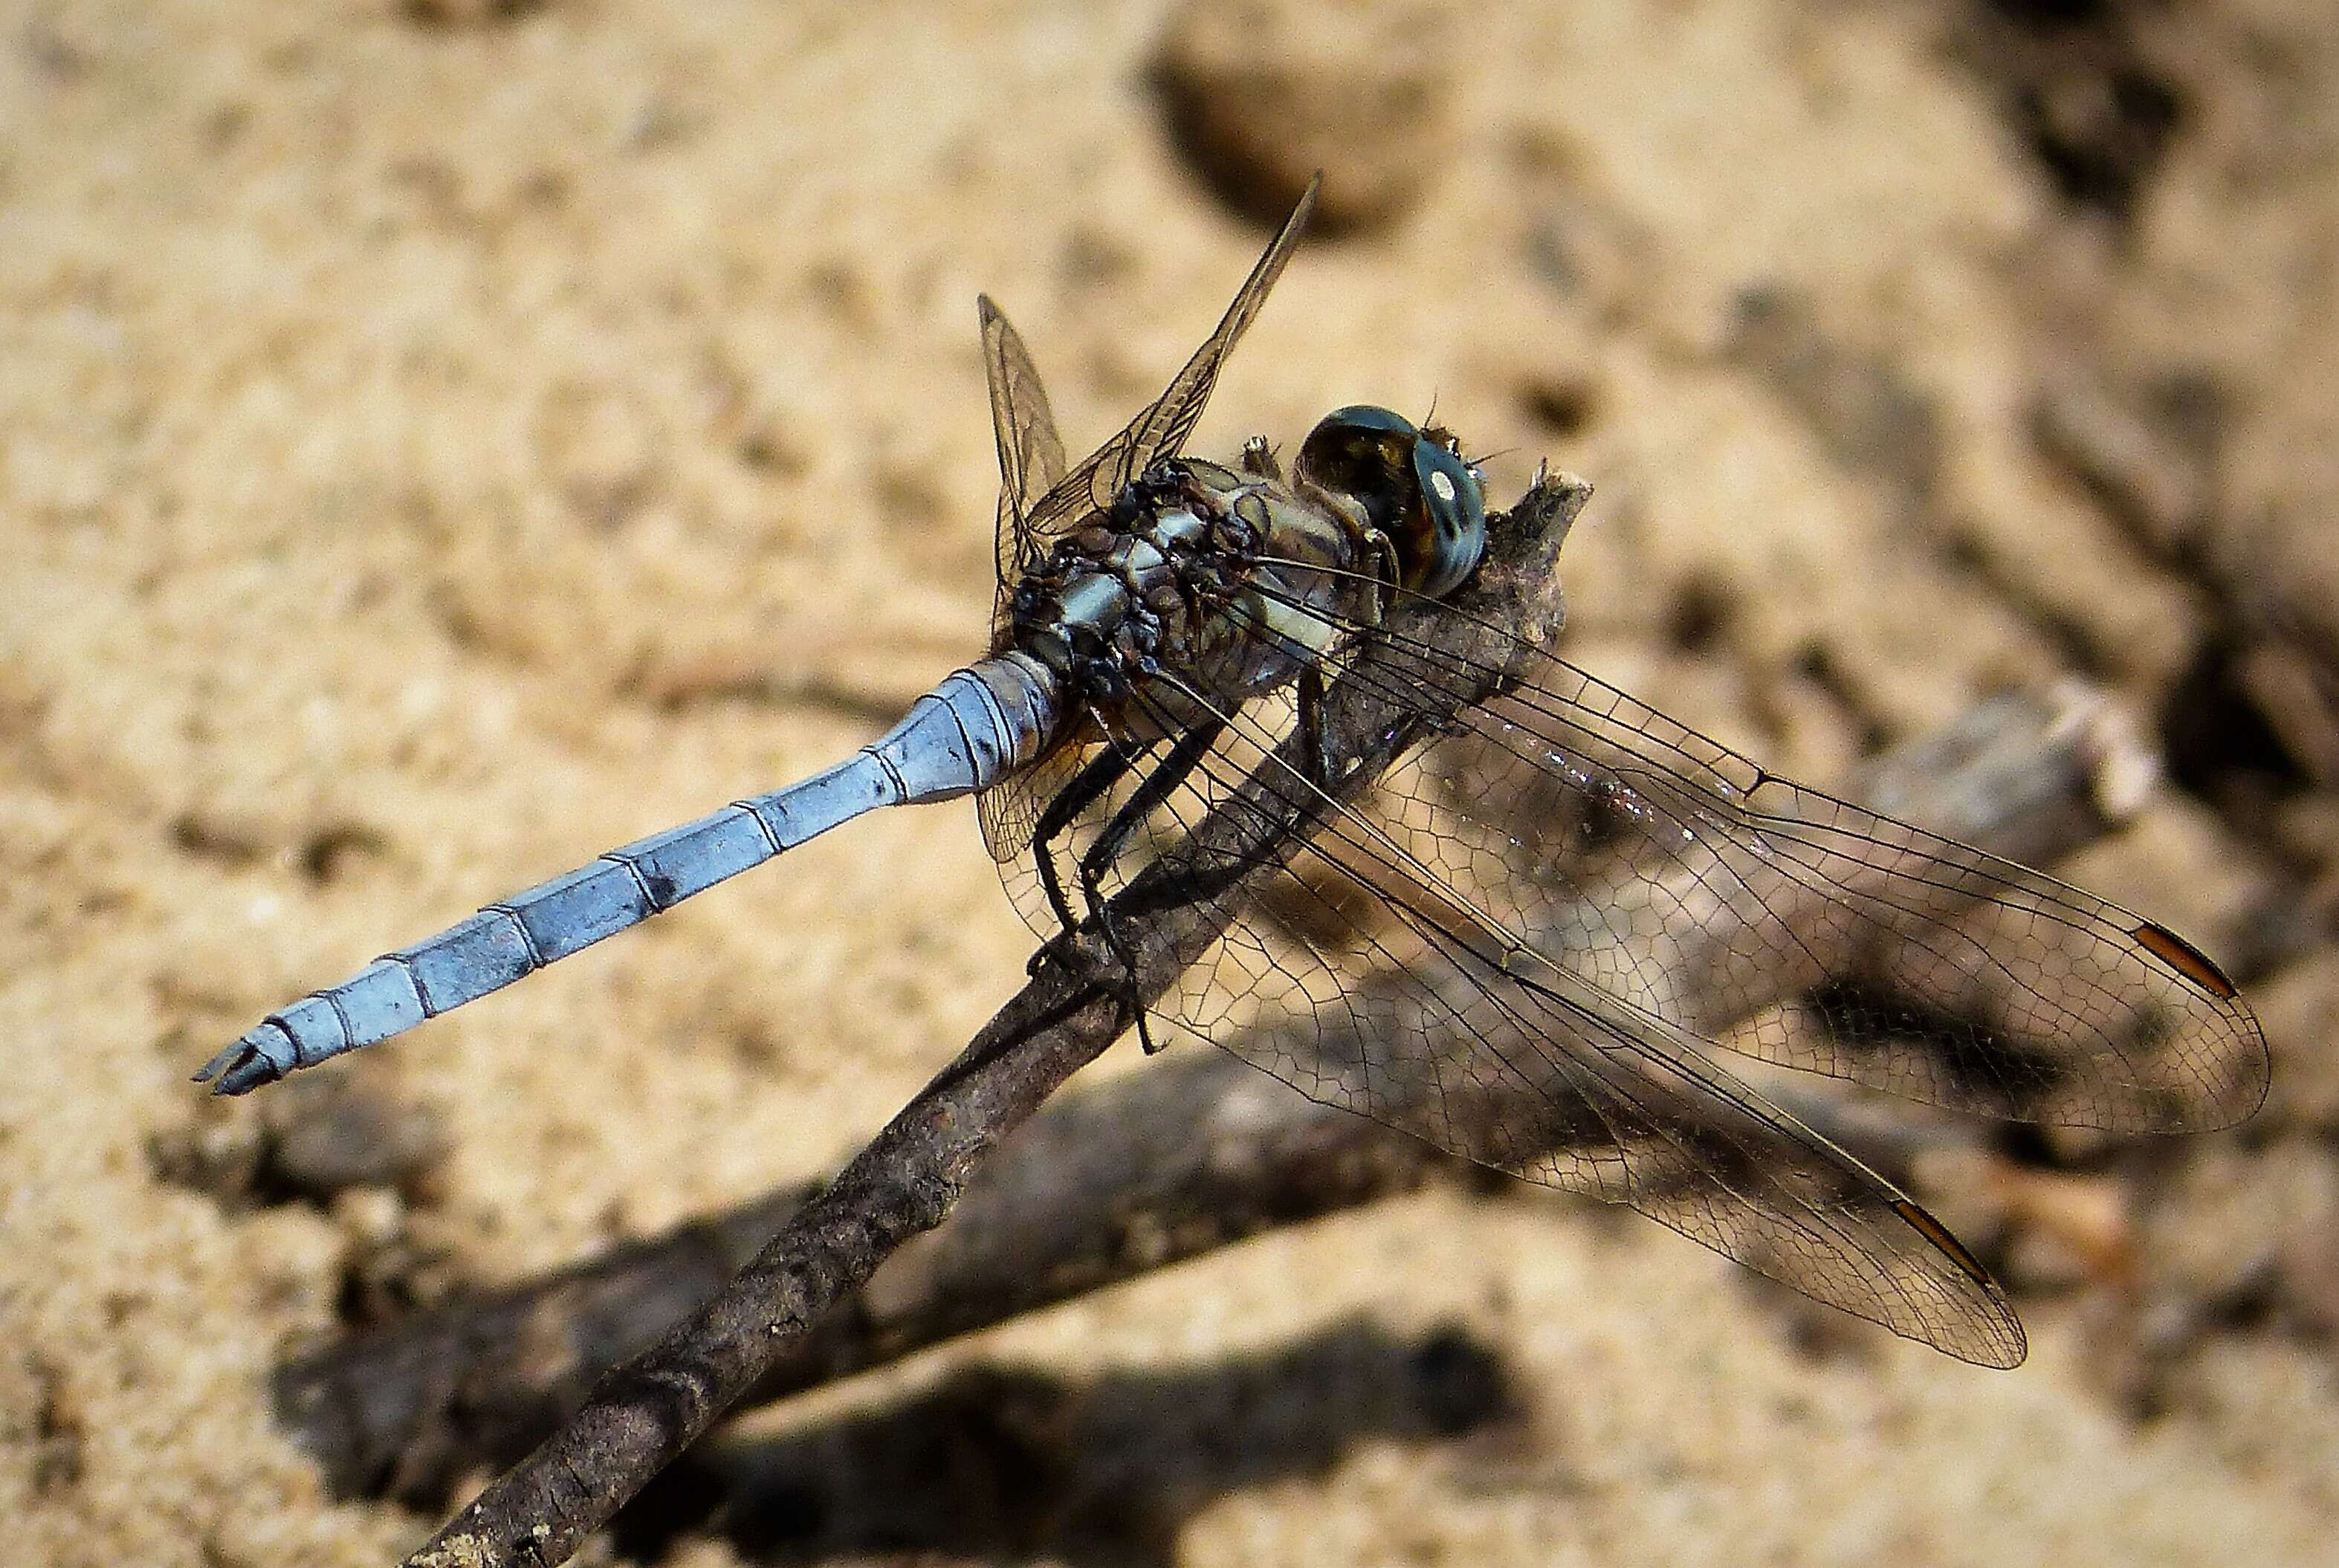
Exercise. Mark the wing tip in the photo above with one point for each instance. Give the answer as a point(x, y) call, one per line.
point(2005, 1346)
point(2000, 1355)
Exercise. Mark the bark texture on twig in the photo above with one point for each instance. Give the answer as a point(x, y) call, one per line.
point(1198, 1151)
point(639, 1416)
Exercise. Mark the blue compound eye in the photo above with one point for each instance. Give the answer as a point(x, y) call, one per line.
point(1411, 484)
point(1457, 508)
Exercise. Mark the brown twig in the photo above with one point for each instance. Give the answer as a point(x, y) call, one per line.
point(643, 1413)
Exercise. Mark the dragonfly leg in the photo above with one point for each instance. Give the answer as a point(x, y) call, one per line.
point(1098, 858)
point(1315, 739)
point(1107, 769)
point(1199, 884)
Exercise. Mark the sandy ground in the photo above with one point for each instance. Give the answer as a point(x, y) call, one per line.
point(436, 444)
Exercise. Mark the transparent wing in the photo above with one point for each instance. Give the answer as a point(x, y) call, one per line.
point(1525, 940)
point(1683, 881)
point(1162, 428)
point(1030, 453)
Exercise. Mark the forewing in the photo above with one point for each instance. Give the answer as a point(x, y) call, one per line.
point(1161, 429)
point(1030, 453)
point(1678, 878)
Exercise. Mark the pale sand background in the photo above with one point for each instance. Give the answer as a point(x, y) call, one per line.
point(432, 454)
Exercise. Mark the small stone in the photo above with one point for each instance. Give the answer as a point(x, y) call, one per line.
point(2228, 1224)
point(330, 1135)
point(1261, 93)
point(469, 12)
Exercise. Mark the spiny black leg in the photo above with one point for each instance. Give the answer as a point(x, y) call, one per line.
point(1315, 768)
point(1198, 885)
point(1175, 768)
point(1315, 743)
point(1104, 771)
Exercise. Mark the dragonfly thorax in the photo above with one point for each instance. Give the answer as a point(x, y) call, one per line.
point(1198, 578)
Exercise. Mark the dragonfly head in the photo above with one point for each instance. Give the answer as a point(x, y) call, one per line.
point(1414, 485)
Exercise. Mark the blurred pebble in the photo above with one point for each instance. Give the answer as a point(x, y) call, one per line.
point(2148, 457)
point(309, 1140)
point(2296, 1007)
point(1261, 93)
point(2227, 1224)
point(2071, 1230)
point(469, 12)
point(331, 1134)
point(335, 1133)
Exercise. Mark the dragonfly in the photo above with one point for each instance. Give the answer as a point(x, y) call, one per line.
point(1533, 934)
